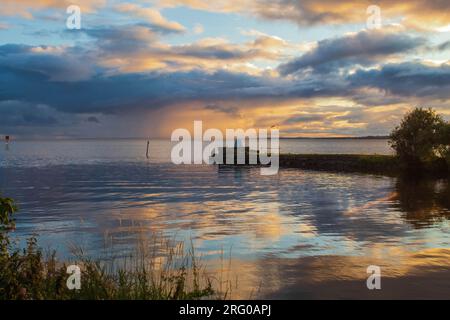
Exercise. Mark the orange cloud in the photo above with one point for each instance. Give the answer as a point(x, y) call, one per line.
point(206, 54)
point(25, 8)
point(419, 14)
point(151, 15)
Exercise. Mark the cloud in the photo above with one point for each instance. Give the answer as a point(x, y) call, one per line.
point(124, 39)
point(226, 109)
point(26, 8)
point(19, 114)
point(55, 63)
point(267, 41)
point(138, 48)
point(444, 46)
point(198, 29)
point(128, 73)
point(363, 48)
point(419, 14)
point(93, 119)
point(26, 119)
point(33, 81)
point(78, 85)
point(26, 74)
point(213, 48)
point(305, 118)
point(407, 80)
point(151, 16)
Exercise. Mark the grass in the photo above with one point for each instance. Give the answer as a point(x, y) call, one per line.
point(166, 272)
point(29, 273)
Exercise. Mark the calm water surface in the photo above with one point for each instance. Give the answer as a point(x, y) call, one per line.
point(294, 234)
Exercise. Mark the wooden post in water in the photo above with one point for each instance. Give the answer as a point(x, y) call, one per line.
point(148, 145)
point(7, 143)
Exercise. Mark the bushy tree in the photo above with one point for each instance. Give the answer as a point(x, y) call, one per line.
point(444, 146)
point(419, 137)
point(7, 209)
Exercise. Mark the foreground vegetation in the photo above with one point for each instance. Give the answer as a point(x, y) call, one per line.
point(30, 273)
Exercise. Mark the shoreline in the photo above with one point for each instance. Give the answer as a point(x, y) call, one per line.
point(388, 165)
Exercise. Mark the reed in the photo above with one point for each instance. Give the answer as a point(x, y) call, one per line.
point(161, 270)
point(31, 273)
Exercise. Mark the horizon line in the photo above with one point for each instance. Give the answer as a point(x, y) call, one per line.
point(381, 137)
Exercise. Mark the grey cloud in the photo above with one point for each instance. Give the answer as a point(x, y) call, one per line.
point(226, 109)
point(313, 12)
point(362, 48)
point(93, 119)
point(407, 80)
point(56, 67)
point(127, 92)
point(140, 39)
point(123, 39)
point(213, 52)
point(34, 83)
point(305, 118)
point(444, 46)
point(17, 113)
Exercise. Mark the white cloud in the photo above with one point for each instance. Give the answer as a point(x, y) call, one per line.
point(198, 29)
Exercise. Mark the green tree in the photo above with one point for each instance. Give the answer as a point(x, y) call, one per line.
point(419, 137)
point(444, 146)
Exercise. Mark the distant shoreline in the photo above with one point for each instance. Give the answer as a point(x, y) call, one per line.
point(168, 138)
point(338, 138)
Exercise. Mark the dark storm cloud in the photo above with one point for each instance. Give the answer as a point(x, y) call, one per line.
point(13, 49)
point(407, 80)
point(362, 48)
point(36, 78)
point(111, 94)
point(17, 113)
point(26, 77)
point(46, 62)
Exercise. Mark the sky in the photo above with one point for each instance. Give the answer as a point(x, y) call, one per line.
point(145, 68)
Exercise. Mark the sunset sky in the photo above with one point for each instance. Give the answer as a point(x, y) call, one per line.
point(145, 68)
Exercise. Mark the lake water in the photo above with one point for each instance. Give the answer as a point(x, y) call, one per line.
point(299, 234)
